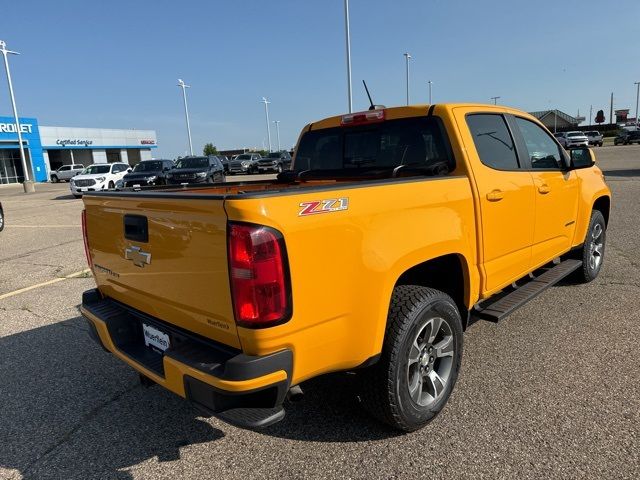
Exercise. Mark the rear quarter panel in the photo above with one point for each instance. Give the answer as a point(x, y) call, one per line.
point(345, 264)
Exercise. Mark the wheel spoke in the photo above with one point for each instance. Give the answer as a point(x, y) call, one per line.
point(437, 383)
point(435, 328)
point(414, 353)
point(444, 348)
point(415, 388)
point(597, 231)
point(598, 249)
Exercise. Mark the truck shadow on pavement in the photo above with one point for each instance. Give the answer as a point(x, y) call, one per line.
point(329, 412)
point(65, 197)
point(632, 172)
point(70, 410)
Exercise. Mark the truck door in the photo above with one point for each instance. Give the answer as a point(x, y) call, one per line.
point(556, 190)
point(506, 198)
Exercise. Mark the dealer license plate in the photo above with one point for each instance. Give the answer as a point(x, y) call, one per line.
point(155, 338)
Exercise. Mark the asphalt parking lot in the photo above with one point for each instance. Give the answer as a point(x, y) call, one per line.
point(552, 391)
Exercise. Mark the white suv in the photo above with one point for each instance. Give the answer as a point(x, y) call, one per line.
point(572, 139)
point(66, 172)
point(97, 177)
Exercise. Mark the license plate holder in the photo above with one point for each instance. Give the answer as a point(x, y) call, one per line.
point(155, 338)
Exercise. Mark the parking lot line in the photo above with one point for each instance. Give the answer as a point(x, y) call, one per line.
point(44, 284)
point(43, 226)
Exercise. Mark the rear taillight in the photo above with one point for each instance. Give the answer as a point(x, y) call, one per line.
point(370, 116)
point(86, 239)
point(259, 276)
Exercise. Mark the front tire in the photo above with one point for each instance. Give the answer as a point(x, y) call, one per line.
point(54, 179)
point(592, 251)
point(420, 359)
point(111, 186)
point(1, 220)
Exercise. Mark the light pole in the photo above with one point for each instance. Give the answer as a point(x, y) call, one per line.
point(590, 113)
point(348, 39)
point(495, 100)
point(266, 111)
point(637, 97)
point(184, 87)
point(27, 184)
point(277, 122)
point(430, 83)
point(407, 57)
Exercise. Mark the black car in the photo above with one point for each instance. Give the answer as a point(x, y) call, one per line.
point(625, 137)
point(274, 162)
point(196, 170)
point(1, 218)
point(148, 172)
point(225, 162)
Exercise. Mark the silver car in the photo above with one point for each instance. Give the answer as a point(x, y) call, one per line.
point(66, 173)
point(244, 163)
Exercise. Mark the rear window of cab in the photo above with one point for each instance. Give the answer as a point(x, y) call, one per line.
point(417, 142)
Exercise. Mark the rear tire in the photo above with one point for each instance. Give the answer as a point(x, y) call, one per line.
point(1, 220)
point(419, 362)
point(592, 251)
point(111, 186)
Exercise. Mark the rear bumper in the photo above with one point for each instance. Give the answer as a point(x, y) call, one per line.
point(218, 379)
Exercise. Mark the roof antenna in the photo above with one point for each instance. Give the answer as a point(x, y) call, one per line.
point(372, 107)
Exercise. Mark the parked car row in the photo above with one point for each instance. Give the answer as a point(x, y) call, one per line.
point(625, 136)
point(186, 170)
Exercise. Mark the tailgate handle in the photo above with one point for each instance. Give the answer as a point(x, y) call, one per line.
point(136, 228)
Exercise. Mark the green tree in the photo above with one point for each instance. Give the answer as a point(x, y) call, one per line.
point(599, 117)
point(210, 149)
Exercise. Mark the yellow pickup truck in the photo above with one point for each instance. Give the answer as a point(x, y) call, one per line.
point(394, 229)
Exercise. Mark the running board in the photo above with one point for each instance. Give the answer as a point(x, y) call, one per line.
point(252, 418)
point(504, 304)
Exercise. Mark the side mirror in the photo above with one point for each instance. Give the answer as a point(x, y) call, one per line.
point(582, 157)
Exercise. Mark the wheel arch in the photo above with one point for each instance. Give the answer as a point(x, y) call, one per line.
point(448, 273)
point(603, 205)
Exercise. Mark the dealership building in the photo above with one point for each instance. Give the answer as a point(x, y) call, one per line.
point(48, 148)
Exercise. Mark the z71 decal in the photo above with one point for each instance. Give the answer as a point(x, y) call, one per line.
point(323, 206)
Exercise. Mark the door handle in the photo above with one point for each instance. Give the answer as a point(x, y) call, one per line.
point(544, 189)
point(495, 195)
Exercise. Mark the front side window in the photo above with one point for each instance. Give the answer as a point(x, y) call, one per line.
point(543, 152)
point(493, 141)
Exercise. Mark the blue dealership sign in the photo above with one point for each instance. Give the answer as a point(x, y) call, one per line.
point(31, 141)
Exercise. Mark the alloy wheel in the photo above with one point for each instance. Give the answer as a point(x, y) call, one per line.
point(430, 361)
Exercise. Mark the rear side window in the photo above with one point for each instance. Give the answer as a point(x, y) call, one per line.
point(493, 141)
point(416, 143)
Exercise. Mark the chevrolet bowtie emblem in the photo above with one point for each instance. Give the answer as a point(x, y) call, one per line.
point(138, 257)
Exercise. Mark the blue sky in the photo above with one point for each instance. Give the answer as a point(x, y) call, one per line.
point(115, 64)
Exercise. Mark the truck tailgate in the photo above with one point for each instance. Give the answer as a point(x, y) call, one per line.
point(178, 274)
